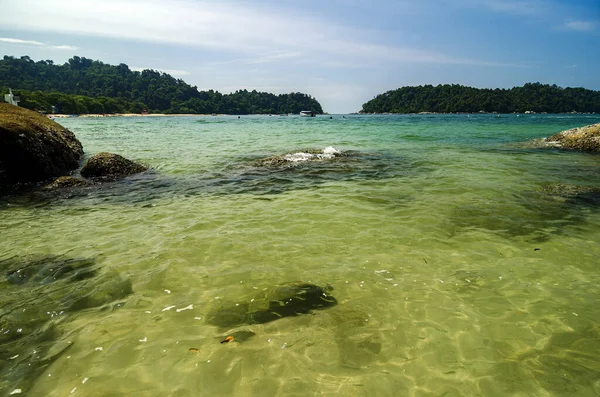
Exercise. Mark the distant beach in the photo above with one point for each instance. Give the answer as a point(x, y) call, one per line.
point(62, 116)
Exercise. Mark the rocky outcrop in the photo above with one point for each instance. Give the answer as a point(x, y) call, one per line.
point(64, 182)
point(582, 138)
point(110, 166)
point(33, 147)
point(301, 157)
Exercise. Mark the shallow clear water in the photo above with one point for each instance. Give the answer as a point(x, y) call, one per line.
point(464, 259)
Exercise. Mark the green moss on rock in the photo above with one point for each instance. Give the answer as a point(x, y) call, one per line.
point(63, 182)
point(33, 147)
point(582, 138)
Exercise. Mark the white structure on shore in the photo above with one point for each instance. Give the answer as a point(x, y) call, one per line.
point(10, 98)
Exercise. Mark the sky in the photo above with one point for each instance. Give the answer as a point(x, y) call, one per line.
point(342, 52)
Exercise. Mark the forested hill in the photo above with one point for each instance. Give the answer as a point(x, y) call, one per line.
point(82, 85)
point(455, 98)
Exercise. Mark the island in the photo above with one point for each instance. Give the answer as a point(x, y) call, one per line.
point(85, 86)
point(454, 98)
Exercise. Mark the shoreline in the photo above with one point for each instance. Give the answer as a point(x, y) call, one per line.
point(93, 115)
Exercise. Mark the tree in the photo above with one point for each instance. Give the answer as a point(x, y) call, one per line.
point(118, 89)
point(456, 98)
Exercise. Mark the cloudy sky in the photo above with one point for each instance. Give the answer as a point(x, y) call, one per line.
point(343, 52)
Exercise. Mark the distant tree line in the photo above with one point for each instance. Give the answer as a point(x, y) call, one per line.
point(82, 85)
point(456, 98)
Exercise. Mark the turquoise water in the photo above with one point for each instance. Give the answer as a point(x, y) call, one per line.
point(464, 259)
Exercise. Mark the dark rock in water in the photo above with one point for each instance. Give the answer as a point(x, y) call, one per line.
point(571, 193)
point(47, 270)
point(300, 157)
point(107, 287)
point(110, 166)
point(537, 213)
point(282, 301)
point(39, 295)
point(33, 147)
point(301, 170)
point(583, 138)
point(64, 182)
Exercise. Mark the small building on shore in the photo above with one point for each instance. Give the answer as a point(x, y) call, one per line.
point(10, 98)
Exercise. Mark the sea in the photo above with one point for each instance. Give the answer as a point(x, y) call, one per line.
point(463, 254)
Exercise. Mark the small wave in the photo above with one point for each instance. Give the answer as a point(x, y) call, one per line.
point(298, 157)
point(328, 153)
point(331, 150)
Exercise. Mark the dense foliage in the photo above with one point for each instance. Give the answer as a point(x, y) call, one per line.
point(455, 98)
point(85, 86)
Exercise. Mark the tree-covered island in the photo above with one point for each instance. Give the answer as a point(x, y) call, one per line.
point(82, 85)
point(532, 97)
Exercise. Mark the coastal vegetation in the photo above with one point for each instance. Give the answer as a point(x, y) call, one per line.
point(532, 97)
point(82, 85)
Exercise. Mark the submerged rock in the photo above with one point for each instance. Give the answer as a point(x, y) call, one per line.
point(39, 295)
point(64, 182)
point(272, 304)
point(33, 147)
point(582, 138)
point(47, 270)
point(301, 156)
point(570, 193)
point(106, 165)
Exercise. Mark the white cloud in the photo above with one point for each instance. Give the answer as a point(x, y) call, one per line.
point(172, 72)
point(260, 35)
point(64, 47)
point(19, 41)
point(36, 43)
point(580, 26)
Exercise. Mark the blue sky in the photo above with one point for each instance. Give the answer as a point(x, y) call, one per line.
point(343, 52)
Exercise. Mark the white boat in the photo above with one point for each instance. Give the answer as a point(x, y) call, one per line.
point(307, 113)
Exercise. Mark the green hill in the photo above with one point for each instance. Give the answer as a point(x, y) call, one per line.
point(82, 85)
point(455, 98)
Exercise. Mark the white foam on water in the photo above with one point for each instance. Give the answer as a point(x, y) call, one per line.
point(297, 157)
point(328, 153)
point(330, 150)
point(188, 307)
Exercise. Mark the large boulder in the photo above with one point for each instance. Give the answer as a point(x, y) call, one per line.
point(582, 138)
point(110, 166)
point(33, 147)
